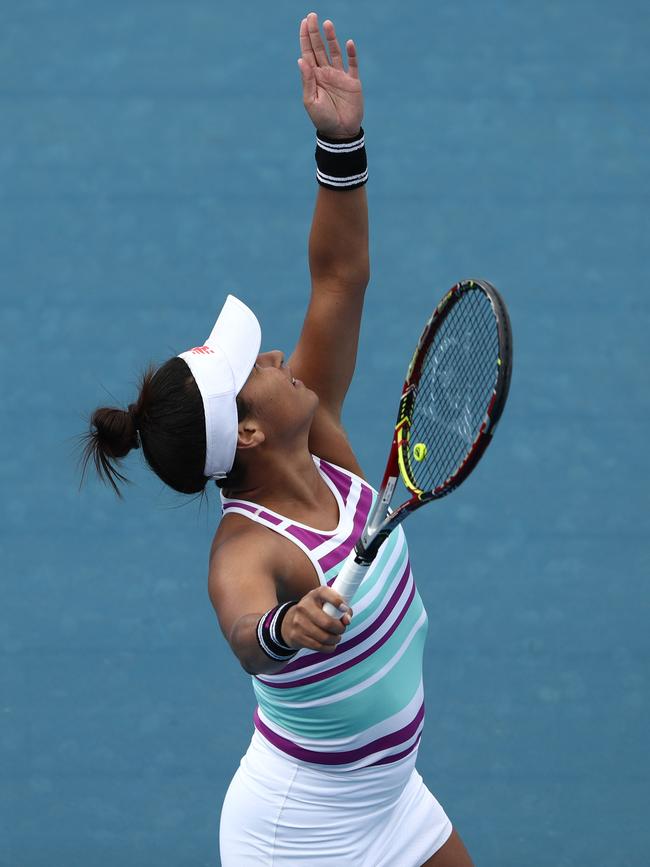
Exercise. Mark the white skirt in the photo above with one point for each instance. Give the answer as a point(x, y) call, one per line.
point(279, 811)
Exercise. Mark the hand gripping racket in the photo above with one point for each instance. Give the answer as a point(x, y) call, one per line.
point(453, 396)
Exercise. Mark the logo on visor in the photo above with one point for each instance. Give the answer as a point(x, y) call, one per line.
point(202, 350)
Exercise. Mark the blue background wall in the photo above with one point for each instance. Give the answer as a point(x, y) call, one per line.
point(155, 156)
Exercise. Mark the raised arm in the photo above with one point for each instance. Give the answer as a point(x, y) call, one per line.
point(325, 356)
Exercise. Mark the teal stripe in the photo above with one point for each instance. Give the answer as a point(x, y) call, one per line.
point(352, 715)
point(382, 556)
point(377, 574)
point(354, 675)
point(377, 570)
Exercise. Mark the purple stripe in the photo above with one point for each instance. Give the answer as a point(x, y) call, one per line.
point(309, 538)
point(340, 480)
point(346, 756)
point(388, 759)
point(269, 618)
point(240, 504)
point(344, 666)
point(342, 550)
point(272, 519)
point(312, 658)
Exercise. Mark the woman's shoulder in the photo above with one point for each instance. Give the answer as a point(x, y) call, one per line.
point(243, 549)
point(236, 530)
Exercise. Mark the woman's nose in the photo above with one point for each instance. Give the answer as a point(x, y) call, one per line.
point(274, 358)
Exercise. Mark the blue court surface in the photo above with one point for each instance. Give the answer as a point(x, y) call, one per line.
point(155, 156)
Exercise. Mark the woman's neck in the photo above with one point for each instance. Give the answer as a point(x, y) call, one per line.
point(290, 486)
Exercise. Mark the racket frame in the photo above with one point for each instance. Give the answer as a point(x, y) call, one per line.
point(381, 520)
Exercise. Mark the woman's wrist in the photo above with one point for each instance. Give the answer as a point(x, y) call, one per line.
point(269, 633)
point(339, 136)
point(341, 163)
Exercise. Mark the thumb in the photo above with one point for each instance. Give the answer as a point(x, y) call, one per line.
point(308, 81)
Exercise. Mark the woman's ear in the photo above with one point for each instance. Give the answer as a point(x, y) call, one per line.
point(249, 434)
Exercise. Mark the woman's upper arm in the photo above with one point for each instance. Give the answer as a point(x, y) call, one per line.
point(240, 581)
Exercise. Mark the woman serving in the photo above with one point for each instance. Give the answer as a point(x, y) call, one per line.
point(329, 777)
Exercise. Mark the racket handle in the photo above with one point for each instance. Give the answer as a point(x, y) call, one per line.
point(347, 582)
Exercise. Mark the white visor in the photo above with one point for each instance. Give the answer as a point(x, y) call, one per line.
point(220, 368)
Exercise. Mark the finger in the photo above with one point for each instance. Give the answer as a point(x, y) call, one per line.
point(308, 81)
point(321, 637)
point(327, 594)
point(305, 44)
point(316, 40)
point(321, 620)
point(333, 45)
point(309, 611)
point(353, 63)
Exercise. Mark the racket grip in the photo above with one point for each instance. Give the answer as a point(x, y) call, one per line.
point(347, 583)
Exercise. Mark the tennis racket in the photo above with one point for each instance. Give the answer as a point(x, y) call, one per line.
point(453, 396)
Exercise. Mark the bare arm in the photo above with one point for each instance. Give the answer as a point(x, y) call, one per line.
point(338, 261)
point(242, 588)
point(325, 356)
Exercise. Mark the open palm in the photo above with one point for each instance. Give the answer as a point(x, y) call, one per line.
point(332, 96)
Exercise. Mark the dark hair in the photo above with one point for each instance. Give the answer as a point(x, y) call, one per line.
point(167, 420)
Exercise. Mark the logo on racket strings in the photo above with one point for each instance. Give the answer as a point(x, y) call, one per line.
point(450, 398)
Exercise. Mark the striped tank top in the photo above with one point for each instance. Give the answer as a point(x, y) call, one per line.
point(363, 704)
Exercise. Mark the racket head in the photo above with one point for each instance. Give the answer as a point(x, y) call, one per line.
point(455, 390)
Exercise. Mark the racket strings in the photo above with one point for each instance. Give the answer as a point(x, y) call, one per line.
point(456, 384)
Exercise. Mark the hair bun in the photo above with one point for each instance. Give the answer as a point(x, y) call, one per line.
point(169, 412)
point(116, 431)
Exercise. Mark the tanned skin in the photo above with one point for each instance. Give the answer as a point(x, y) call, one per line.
point(295, 409)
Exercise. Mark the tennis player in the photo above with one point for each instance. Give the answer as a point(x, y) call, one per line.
point(329, 777)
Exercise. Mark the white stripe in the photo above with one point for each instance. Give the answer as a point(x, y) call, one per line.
point(275, 634)
point(364, 762)
point(400, 551)
point(346, 655)
point(328, 545)
point(241, 511)
point(386, 727)
point(264, 645)
point(357, 626)
point(337, 178)
point(341, 147)
point(370, 681)
point(342, 182)
point(391, 751)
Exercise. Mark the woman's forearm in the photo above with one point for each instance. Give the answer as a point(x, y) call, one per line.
point(338, 241)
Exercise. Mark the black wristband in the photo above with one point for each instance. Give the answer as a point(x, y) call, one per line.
point(341, 164)
point(269, 636)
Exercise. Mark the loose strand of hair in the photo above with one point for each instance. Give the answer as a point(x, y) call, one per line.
point(107, 471)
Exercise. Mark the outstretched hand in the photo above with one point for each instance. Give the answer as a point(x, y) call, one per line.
point(332, 97)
